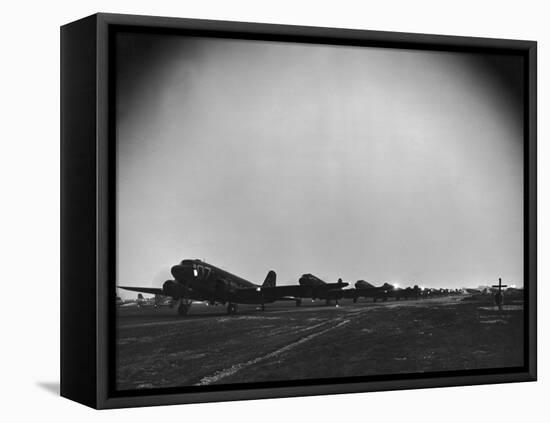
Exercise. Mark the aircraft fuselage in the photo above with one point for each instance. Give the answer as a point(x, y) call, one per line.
point(197, 279)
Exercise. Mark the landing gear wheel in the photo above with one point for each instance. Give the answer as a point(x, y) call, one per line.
point(232, 308)
point(183, 309)
point(354, 300)
point(262, 307)
point(298, 303)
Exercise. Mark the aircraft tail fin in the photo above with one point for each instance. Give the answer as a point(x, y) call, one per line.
point(270, 280)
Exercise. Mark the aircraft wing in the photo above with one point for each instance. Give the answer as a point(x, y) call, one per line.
point(299, 291)
point(154, 291)
point(272, 292)
point(282, 291)
point(350, 293)
point(336, 285)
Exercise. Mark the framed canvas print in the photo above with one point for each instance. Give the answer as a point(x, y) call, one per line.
point(255, 211)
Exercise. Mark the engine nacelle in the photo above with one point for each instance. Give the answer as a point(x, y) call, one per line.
point(174, 289)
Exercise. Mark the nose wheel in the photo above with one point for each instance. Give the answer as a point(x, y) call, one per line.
point(183, 307)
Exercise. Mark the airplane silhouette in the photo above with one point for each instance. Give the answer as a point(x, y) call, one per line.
point(313, 287)
point(367, 290)
point(196, 280)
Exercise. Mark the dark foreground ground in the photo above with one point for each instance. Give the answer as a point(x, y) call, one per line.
point(156, 348)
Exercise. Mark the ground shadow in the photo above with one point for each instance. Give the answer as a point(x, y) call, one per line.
point(51, 387)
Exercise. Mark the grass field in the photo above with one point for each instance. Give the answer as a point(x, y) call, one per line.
point(156, 348)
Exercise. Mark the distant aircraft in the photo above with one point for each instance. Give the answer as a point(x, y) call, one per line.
point(125, 303)
point(367, 290)
point(157, 301)
point(442, 292)
point(162, 301)
point(195, 280)
point(485, 290)
point(141, 301)
point(407, 293)
point(361, 284)
point(313, 287)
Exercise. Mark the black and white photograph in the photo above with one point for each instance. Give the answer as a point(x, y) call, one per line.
point(301, 211)
point(275, 211)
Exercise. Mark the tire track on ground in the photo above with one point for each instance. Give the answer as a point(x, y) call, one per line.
point(230, 371)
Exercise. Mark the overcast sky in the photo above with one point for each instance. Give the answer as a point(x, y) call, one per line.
point(386, 165)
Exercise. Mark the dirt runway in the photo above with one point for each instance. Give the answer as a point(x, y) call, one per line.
point(156, 348)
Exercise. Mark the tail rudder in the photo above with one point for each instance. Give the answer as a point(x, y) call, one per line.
point(270, 280)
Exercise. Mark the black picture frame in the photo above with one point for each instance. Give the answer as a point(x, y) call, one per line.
point(87, 209)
